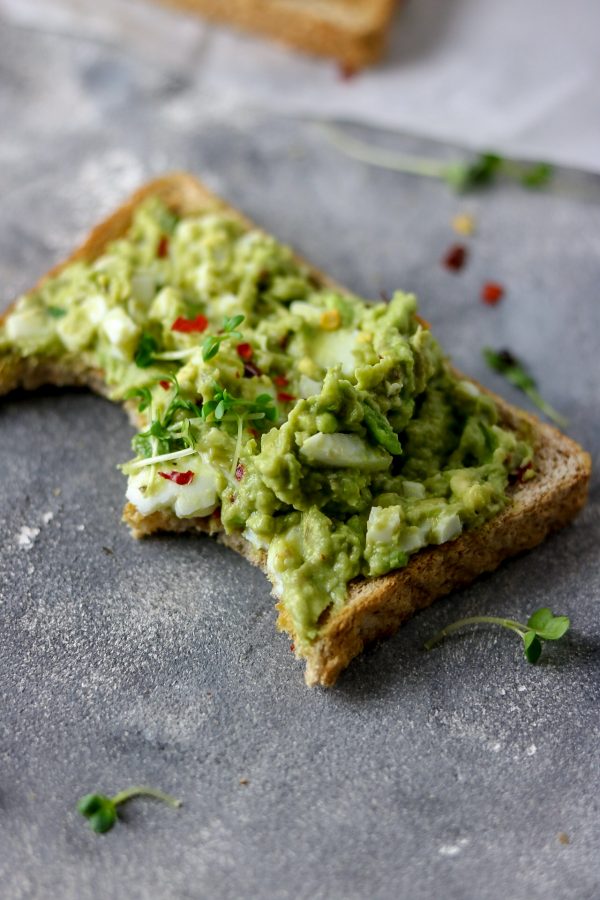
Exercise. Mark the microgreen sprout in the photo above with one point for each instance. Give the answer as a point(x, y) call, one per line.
point(146, 351)
point(56, 312)
point(212, 343)
point(101, 811)
point(461, 175)
point(261, 410)
point(542, 625)
point(505, 363)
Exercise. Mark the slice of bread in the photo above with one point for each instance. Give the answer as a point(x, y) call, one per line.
point(376, 606)
point(353, 32)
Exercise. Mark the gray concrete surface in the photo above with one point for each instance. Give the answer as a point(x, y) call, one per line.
point(447, 775)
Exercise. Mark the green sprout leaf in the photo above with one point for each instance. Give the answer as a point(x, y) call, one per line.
point(533, 646)
point(506, 364)
point(212, 343)
point(56, 312)
point(143, 394)
point(548, 626)
point(101, 811)
point(146, 350)
point(542, 625)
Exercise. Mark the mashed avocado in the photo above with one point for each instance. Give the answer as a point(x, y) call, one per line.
point(328, 431)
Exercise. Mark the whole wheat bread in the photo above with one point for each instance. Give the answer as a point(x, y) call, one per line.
point(353, 32)
point(376, 606)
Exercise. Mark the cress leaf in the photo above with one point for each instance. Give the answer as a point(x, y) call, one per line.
point(555, 629)
point(146, 349)
point(540, 618)
point(538, 175)
point(533, 646)
point(230, 324)
point(56, 312)
point(142, 394)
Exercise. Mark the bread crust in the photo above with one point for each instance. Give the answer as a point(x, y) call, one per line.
point(353, 32)
point(376, 607)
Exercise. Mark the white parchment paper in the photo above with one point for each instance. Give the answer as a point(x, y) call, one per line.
point(519, 76)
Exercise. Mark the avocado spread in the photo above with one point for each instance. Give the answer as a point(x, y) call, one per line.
point(329, 431)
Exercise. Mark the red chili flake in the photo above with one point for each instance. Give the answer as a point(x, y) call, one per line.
point(292, 647)
point(280, 380)
point(347, 72)
point(165, 385)
point(455, 258)
point(177, 477)
point(253, 432)
point(492, 293)
point(163, 247)
point(251, 370)
point(239, 471)
point(244, 351)
point(284, 397)
point(187, 326)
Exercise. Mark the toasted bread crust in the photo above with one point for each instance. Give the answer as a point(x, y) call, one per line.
point(353, 32)
point(376, 607)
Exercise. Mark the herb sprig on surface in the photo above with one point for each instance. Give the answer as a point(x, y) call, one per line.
point(542, 625)
point(101, 811)
point(505, 363)
point(461, 175)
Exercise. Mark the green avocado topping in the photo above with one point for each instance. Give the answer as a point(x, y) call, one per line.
point(329, 431)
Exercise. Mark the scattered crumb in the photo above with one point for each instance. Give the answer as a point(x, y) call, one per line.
point(107, 550)
point(531, 750)
point(57, 492)
point(463, 223)
point(563, 837)
point(453, 849)
point(47, 517)
point(80, 527)
point(496, 747)
point(30, 569)
point(522, 687)
point(244, 781)
point(27, 536)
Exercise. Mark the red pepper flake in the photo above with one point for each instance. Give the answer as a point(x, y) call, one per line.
point(239, 471)
point(455, 258)
point(253, 432)
point(163, 247)
point(280, 380)
point(292, 647)
point(492, 293)
point(187, 326)
point(284, 397)
point(165, 385)
point(177, 477)
point(244, 351)
point(347, 72)
point(251, 370)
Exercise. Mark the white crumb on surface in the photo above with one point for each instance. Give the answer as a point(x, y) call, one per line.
point(80, 527)
point(453, 849)
point(496, 747)
point(47, 517)
point(531, 750)
point(27, 536)
point(522, 687)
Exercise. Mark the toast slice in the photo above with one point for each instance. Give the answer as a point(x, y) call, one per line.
point(353, 32)
point(375, 606)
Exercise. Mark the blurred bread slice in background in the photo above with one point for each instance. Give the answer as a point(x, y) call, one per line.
point(353, 32)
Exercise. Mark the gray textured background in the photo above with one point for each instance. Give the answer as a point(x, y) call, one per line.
point(420, 776)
